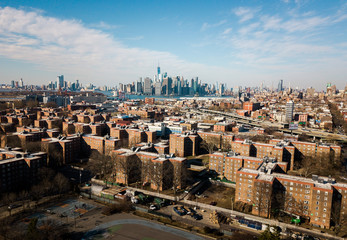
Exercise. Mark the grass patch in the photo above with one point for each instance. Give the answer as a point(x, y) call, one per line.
point(114, 229)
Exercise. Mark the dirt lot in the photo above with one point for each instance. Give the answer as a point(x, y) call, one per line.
point(218, 194)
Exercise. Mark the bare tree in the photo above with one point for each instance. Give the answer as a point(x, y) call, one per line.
point(61, 183)
point(9, 198)
point(31, 146)
point(32, 103)
point(3, 106)
point(18, 104)
point(226, 146)
point(36, 193)
point(208, 146)
point(175, 175)
point(341, 227)
point(146, 171)
point(308, 166)
point(50, 105)
point(180, 174)
point(128, 167)
point(24, 196)
point(54, 154)
point(157, 175)
point(100, 164)
point(294, 206)
point(262, 198)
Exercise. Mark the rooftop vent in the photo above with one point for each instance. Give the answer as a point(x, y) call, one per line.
point(315, 177)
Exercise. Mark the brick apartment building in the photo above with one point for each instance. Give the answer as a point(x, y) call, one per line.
point(104, 145)
point(131, 136)
point(263, 184)
point(226, 164)
point(223, 127)
point(251, 106)
point(158, 170)
point(216, 138)
point(309, 198)
point(19, 169)
point(183, 145)
point(62, 150)
point(149, 101)
point(316, 150)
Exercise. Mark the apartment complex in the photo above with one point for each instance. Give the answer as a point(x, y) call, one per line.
point(263, 184)
point(19, 169)
point(160, 171)
point(310, 198)
point(309, 149)
point(226, 164)
point(183, 145)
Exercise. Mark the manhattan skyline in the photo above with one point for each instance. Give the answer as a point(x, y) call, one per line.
point(238, 43)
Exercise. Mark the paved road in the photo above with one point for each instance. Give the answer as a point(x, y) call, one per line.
point(259, 123)
point(149, 224)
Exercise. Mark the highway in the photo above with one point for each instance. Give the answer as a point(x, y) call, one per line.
point(319, 134)
point(265, 124)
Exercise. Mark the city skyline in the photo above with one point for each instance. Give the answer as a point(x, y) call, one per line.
point(301, 42)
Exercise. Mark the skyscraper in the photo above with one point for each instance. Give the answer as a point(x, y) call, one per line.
point(289, 111)
point(138, 86)
point(148, 86)
point(157, 89)
point(60, 81)
point(21, 84)
point(280, 86)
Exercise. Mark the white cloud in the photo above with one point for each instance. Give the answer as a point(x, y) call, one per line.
point(71, 48)
point(227, 31)
point(104, 26)
point(206, 26)
point(245, 14)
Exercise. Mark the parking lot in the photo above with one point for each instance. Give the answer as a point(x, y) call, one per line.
point(203, 219)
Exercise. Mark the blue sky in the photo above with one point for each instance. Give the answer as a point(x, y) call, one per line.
point(236, 42)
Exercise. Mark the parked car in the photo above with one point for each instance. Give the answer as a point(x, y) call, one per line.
point(192, 211)
point(153, 207)
point(185, 211)
point(197, 216)
point(13, 206)
point(178, 211)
